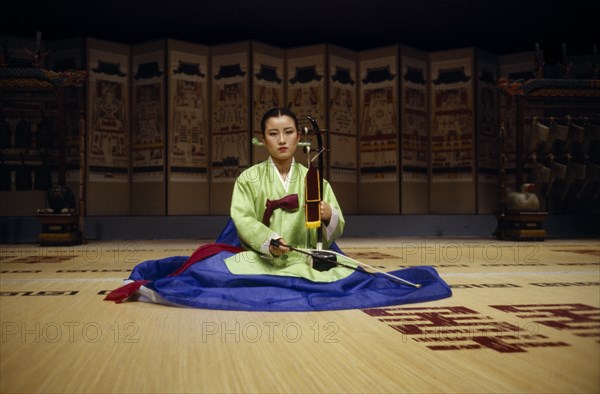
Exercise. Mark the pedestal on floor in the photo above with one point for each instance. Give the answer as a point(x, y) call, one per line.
point(521, 226)
point(59, 229)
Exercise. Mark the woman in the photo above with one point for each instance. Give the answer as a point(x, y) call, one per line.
point(259, 219)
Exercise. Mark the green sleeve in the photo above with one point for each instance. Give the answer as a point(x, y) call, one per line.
point(247, 210)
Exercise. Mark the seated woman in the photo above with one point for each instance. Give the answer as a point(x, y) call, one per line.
point(268, 272)
point(268, 204)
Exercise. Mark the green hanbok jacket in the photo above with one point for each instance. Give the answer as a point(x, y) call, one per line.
point(251, 191)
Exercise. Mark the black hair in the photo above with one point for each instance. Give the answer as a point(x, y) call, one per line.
point(275, 113)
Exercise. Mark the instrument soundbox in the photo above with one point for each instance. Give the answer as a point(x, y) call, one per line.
point(313, 198)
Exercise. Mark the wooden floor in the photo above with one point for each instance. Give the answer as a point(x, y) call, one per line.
point(524, 317)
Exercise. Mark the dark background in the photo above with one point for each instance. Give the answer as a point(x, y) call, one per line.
point(499, 26)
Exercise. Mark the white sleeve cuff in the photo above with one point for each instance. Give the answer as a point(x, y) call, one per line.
point(333, 222)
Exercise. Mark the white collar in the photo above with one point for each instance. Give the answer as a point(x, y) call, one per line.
point(285, 182)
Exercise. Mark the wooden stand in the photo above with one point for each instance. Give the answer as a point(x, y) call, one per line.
point(59, 229)
point(521, 226)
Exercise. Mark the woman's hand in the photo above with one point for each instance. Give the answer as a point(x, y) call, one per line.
point(325, 212)
point(278, 247)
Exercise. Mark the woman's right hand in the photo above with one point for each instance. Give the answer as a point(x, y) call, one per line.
point(278, 247)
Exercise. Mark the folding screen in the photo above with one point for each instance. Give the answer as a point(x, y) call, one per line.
point(452, 135)
point(188, 126)
point(148, 164)
point(268, 76)
point(342, 81)
point(306, 88)
point(108, 128)
point(414, 151)
point(378, 190)
point(486, 66)
point(230, 121)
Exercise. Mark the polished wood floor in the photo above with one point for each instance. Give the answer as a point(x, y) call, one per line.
point(524, 318)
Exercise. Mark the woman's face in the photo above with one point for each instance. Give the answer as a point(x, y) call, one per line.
point(281, 138)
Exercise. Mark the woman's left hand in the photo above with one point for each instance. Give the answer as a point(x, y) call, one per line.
point(325, 212)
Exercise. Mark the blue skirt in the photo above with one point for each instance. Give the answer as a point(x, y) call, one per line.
point(204, 281)
point(209, 284)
